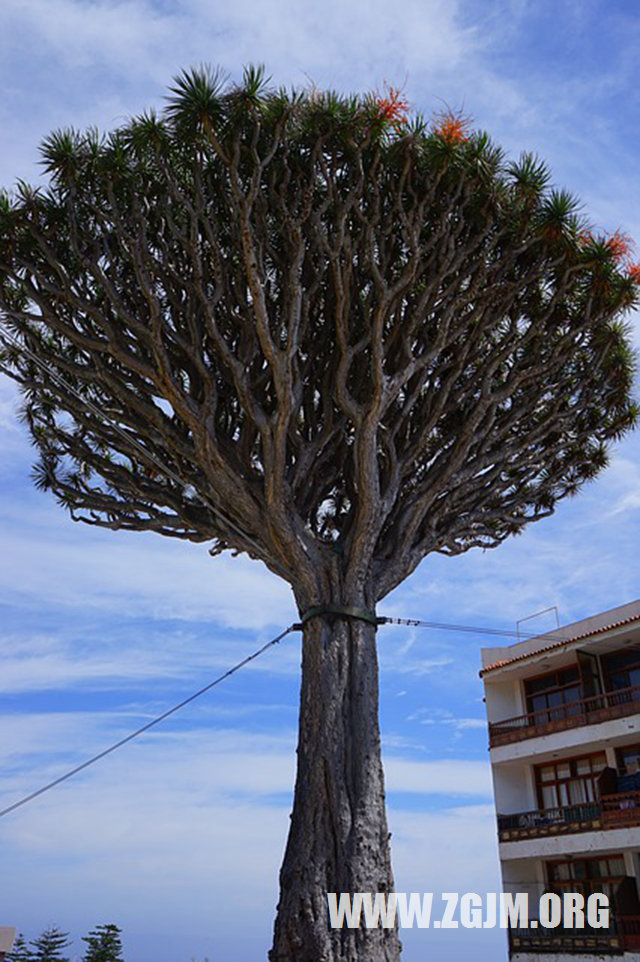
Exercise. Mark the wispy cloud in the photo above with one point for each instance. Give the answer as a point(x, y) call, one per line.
point(189, 812)
point(48, 559)
point(441, 716)
point(416, 666)
point(452, 778)
point(237, 762)
point(108, 655)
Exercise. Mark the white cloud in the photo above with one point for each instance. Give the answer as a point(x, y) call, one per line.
point(418, 667)
point(99, 62)
point(105, 656)
point(179, 823)
point(228, 761)
point(120, 34)
point(623, 480)
point(455, 777)
point(449, 849)
point(161, 836)
point(48, 560)
point(440, 716)
point(132, 36)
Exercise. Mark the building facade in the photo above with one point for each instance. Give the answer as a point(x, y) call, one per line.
point(564, 737)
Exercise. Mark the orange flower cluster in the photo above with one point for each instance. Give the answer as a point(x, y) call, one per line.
point(393, 108)
point(633, 270)
point(452, 128)
point(621, 247)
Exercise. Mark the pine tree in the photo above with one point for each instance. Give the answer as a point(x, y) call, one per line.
point(49, 945)
point(103, 944)
point(21, 951)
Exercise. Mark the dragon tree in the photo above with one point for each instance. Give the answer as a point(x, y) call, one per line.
point(316, 330)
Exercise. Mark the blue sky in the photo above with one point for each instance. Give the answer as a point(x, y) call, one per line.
point(178, 837)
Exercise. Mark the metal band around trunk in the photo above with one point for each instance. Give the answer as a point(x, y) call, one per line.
point(341, 611)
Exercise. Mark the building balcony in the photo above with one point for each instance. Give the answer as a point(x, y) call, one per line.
point(550, 821)
point(621, 810)
point(586, 711)
point(582, 943)
point(623, 935)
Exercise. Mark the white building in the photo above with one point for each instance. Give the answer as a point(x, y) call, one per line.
point(564, 732)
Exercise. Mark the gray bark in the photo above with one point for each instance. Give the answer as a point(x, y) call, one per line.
point(338, 839)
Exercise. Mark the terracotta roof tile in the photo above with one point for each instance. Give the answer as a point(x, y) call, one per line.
point(558, 644)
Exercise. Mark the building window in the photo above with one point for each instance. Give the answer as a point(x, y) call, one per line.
point(588, 876)
point(622, 669)
point(571, 781)
point(628, 759)
point(552, 697)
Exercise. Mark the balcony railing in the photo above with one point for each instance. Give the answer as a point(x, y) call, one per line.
point(579, 942)
point(550, 821)
point(622, 935)
point(586, 711)
point(620, 810)
point(611, 811)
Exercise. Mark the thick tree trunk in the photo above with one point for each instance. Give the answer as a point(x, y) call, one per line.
point(338, 839)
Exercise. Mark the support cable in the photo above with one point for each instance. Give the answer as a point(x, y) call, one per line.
point(330, 610)
point(472, 629)
point(145, 728)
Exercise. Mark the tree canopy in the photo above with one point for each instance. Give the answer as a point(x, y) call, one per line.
point(49, 945)
point(20, 951)
point(322, 327)
point(104, 944)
